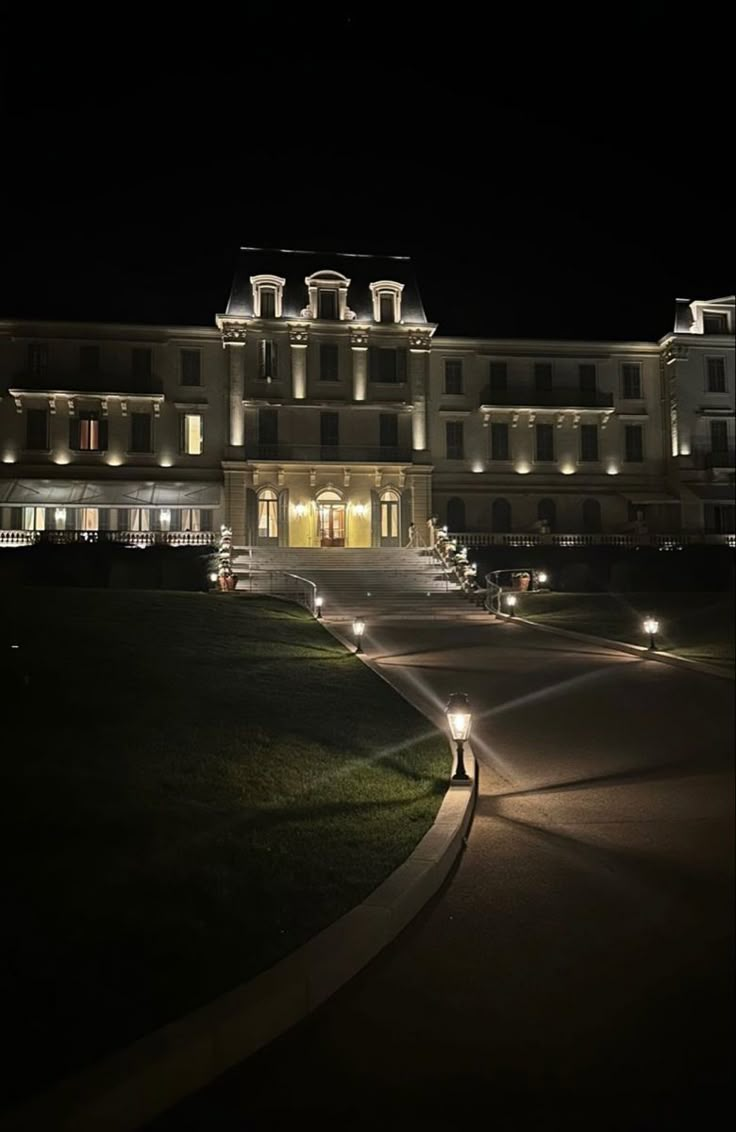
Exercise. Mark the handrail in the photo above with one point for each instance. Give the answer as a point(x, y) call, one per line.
point(304, 593)
point(494, 590)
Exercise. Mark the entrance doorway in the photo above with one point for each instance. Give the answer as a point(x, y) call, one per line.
point(390, 528)
point(330, 520)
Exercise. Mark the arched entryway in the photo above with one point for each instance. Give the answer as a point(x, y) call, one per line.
point(268, 517)
point(389, 518)
point(456, 514)
point(330, 519)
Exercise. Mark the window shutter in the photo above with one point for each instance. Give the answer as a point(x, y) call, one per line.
point(103, 432)
point(74, 437)
point(401, 365)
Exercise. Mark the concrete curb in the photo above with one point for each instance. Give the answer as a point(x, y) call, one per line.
point(131, 1087)
point(621, 646)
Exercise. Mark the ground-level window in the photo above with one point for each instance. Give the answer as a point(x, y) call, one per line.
point(192, 434)
point(88, 519)
point(501, 515)
point(456, 514)
point(268, 514)
point(547, 513)
point(34, 518)
point(390, 517)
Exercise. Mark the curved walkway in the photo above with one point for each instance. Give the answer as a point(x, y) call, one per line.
point(575, 971)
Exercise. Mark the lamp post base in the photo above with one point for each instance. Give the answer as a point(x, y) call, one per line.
point(460, 775)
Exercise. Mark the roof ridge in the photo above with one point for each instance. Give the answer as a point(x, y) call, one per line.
point(307, 251)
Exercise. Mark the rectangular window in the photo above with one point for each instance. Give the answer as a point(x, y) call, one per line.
point(329, 430)
point(453, 376)
point(545, 435)
point(386, 307)
point(192, 434)
point(140, 362)
point(631, 380)
point(37, 430)
point(88, 519)
point(34, 518)
point(328, 362)
point(498, 377)
point(387, 365)
point(589, 443)
point(38, 357)
point(191, 367)
point(268, 360)
point(542, 377)
point(388, 425)
point(268, 429)
point(268, 302)
point(634, 444)
point(454, 440)
point(140, 432)
point(89, 360)
point(326, 304)
point(499, 442)
point(587, 377)
point(719, 436)
point(716, 370)
point(88, 432)
point(714, 323)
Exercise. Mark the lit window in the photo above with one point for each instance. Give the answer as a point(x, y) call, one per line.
point(192, 434)
point(89, 519)
point(88, 433)
point(268, 514)
point(34, 518)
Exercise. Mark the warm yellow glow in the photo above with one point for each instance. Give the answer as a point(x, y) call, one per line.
point(8, 458)
point(193, 434)
point(318, 601)
point(478, 466)
point(114, 461)
point(541, 577)
point(213, 577)
point(358, 626)
point(459, 716)
point(300, 510)
point(612, 470)
point(685, 448)
point(511, 600)
point(62, 458)
point(165, 515)
point(568, 469)
point(360, 510)
point(523, 467)
point(60, 515)
point(166, 462)
point(651, 625)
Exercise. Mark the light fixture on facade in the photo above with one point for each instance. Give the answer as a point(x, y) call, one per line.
point(612, 470)
point(542, 578)
point(510, 600)
point(568, 469)
point(61, 459)
point(300, 510)
point(213, 578)
point(651, 628)
point(478, 466)
point(360, 510)
point(358, 631)
point(60, 516)
point(523, 467)
point(165, 517)
point(460, 720)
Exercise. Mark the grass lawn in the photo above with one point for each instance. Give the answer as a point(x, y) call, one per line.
point(193, 785)
point(699, 626)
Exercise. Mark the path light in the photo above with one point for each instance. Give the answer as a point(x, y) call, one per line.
point(213, 577)
point(542, 578)
point(318, 603)
point(651, 626)
point(358, 631)
point(510, 600)
point(459, 718)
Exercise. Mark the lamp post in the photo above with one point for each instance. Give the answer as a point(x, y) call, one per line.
point(459, 718)
point(510, 600)
point(542, 578)
point(318, 604)
point(358, 630)
point(651, 626)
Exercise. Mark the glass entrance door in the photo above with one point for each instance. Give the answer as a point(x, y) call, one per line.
point(389, 521)
point(331, 520)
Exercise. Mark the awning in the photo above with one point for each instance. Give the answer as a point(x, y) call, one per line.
point(650, 497)
point(110, 493)
point(711, 492)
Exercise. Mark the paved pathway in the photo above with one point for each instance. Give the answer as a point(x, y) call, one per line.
point(575, 971)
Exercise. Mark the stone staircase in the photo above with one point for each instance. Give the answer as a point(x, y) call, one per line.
point(387, 583)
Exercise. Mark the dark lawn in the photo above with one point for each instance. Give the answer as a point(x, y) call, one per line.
point(699, 626)
point(193, 785)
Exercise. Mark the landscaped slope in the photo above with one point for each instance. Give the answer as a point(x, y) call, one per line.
point(193, 785)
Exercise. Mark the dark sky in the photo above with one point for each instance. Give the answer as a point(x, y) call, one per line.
point(558, 175)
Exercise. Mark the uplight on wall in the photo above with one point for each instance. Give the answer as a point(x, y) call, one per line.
point(166, 462)
point(62, 458)
point(612, 470)
point(478, 466)
point(523, 467)
point(60, 516)
point(568, 469)
point(300, 510)
point(8, 458)
point(114, 461)
point(360, 510)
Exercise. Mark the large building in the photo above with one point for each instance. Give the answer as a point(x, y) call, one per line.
point(323, 409)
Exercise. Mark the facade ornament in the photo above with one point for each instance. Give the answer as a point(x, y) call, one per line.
point(157, 409)
point(346, 478)
point(312, 477)
point(299, 336)
point(401, 477)
point(103, 406)
point(280, 477)
point(359, 338)
point(420, 341)
point(233, 333)
point(377, 477)
point(305, 312)
point(576, 420)
point(124, 407)
point(532, 419)
point(514, 420)
point(70, 406)
point(560, 419)
point(52, 406)
point(606, 419)
point(486, 418)
point(256, 477)
point(18, 400)
point(675, 352)
point(348, 314)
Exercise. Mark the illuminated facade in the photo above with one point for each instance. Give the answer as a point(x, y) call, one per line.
point(323, 409)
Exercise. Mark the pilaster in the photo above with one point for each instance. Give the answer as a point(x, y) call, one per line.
point(298, 342)
point(359, 350)
point(420, 344)
point(235, 476)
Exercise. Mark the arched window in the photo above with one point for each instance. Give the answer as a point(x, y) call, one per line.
point(456, 514)
point(268, 514)
point(386, 296)
point(268, 295)
point(328, 296)
point(547, 513)
point(591, 515)
point(390, 526)
point(501, 516)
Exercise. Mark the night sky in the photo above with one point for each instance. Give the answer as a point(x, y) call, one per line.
point(563, 175)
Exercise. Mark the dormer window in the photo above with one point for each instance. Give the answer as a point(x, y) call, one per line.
point(387, 300)
point(328, 297)
point(268, 295)
point(715, 322)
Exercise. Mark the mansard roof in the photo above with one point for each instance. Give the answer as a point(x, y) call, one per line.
point(296, 266)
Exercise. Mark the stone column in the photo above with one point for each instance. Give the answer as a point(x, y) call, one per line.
point(420, 344)
point(235, 477)
point(236, 352)
point(359, 350)
point(298, 342)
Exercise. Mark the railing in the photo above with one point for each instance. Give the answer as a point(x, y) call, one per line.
point(127, 538)
point(279, 583)
point(546, 398)
point(325, 453)
point(689, 538)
